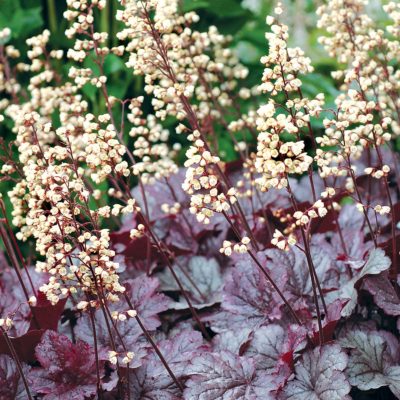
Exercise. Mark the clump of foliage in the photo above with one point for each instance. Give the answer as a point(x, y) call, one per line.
point(145, 261)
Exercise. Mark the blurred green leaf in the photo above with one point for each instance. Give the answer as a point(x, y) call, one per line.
point(346, 200)
point(8, 9)
point(232, 25)
point(248, 52)
point(397, 144)
point(89, 91)
point(226, 149)
point(112, 64)
point(227, 8)
point(21, 21)
point(30, 3)
point(254, 32)
point(26, 21)
point(117, 89)
point(190, 5)
point(89, 63)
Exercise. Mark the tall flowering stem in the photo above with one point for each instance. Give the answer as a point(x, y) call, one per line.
point(277, 159)
point(353, 38)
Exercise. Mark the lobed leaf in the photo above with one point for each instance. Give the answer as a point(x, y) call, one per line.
point(151, 381)
point(11, 385)
point(319, 376)
point(224, 376)
point(68, 370)
point(374, 361)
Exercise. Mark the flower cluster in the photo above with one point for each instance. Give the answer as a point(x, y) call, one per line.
point(55, 196)
point(240, 248)
point(154, 157)
point(202, 182)
point(277, 159)
point(179, 63)
point(354, 40)
point(282, 242)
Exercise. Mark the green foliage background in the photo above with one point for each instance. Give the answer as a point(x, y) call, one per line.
point(243, 19)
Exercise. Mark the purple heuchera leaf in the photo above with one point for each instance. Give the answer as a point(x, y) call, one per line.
point(302, 188)
point(273, 346)
point(385, 295)
point(294, 264)
point(151, 381)
point(10, 279)
point(180, 231)
point(9, 305)
point(234, 341)
point(200, 276)
point(349, 219)
point(329, 322)
point(144, 296)
point(248, 297)
point(13, 300)
point(225, 376)
point(145, 299)
point(374, 360)
point(272, 198)
point(128, 330)
point(183, 232)
point(376, 263)
point(11, 385)
point(319, 376)
point(356, 247)
point(176, 232)
point(68, 370)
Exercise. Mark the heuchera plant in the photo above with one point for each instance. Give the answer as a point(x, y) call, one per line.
point(274, 276)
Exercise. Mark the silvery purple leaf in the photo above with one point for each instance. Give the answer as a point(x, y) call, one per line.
point(200, 276)
point(272, 346)
point(11, 385)
point(225, 376)
point(160, 192)
point(374, 360)
point(249, 297)
point(145, 299)
point(319, 376)
point(376, 263)
point(151, 380)
point(233, 341)
point(385, 296)
point(68, 370)
point(293, 263)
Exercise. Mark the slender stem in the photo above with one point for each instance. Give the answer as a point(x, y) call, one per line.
point(313, 275)
point(359, 198)
point(52, 14)
point(155, 347)
point(266, 274)
point(17, 361)
point(91, 313)
point(105, 18)
point(176, 278)
point(14, 261)
point(16, 247)
point(394, 266)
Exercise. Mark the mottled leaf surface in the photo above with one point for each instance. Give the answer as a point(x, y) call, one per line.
point(319, 376)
